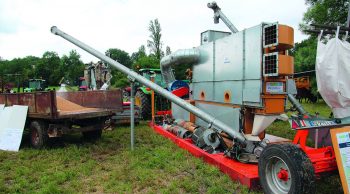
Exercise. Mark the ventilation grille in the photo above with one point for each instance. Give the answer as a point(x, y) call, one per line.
point(270, 63)
point(270, 35)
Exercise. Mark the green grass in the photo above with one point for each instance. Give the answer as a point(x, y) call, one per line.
point(72, 165)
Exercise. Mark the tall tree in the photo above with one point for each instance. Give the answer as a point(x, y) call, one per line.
point(120, 56)
point(71, 67)
point(49, 62)
point(119, 79)
point(305, 54)
point(155, 44)
point(146, 62)
point(137, 55)
point(329, 12)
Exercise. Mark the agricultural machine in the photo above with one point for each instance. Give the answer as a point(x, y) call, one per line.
point(36, 85)
point(143, 93)
point(241, 81)
point(53, 114)
point(303, 85)
point(82, 84)
point(96, 77)
point(7, 83)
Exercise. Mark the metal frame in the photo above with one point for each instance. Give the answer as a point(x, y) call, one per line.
point(264, 64)
point(323, 159)
point(264, 37)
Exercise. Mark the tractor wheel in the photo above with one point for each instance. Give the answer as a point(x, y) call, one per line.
point(285, 168)
point(143, 101)
point(38, 134)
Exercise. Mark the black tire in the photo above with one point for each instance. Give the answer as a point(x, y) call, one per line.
point(144, 102)
point(92, 135)
point(38, 134)
point(95, 134)
point(285, 168)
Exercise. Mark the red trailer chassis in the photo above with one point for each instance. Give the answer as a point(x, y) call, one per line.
point(323, 159)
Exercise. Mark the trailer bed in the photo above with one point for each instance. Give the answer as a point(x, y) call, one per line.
point(62, 105)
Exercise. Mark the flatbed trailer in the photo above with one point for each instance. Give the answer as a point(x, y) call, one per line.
point(52, 114)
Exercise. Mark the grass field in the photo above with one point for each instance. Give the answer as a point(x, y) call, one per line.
point(71, 165)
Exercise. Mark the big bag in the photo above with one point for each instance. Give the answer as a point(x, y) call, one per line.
point(333, 74)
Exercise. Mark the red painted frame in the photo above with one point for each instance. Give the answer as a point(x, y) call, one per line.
point(323, 159)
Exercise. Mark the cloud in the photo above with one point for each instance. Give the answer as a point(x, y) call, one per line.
point(123, 24)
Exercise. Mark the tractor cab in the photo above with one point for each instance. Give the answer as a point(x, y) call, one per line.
point(36, 85)
point(158, 79)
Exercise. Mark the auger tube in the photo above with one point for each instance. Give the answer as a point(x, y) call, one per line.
point(217, 124)
point(183, 56)
point(297, 105)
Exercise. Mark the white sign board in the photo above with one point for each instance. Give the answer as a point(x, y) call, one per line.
point(341, 144)
point(12, 121)
point(274, 87)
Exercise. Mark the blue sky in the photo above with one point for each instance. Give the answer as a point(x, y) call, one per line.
point(25, 25)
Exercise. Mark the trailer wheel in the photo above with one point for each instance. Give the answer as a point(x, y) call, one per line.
point(143, 101)
point(95, 134)
point(38, 134)
point(92, 135)
point(285, 168)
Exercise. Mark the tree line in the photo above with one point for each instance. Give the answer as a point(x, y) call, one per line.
point(51, 67)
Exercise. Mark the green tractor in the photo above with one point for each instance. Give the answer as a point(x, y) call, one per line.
point(36, 85)
point(143, 94)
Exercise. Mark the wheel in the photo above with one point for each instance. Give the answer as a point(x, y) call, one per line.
point(285, 168)
point(92, 135)
point(143, 101)
point(95, 134)
point(38, 134)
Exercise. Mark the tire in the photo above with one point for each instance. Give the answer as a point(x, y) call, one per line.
point(38, 134)
point(92, 135)
point(144, 102)
point(95, 134)
point(285, 168)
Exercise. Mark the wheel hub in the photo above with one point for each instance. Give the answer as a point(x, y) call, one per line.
point(283, 174)
point(278, 175)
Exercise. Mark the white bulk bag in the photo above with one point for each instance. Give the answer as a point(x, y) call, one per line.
point(333, 74)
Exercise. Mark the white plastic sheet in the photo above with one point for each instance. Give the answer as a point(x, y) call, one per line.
point(333, 74)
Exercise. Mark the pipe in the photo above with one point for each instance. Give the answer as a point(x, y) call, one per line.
point(132, 116)
point(297, 105)
point(220, 126)
point(183, 56)
point(218, 14)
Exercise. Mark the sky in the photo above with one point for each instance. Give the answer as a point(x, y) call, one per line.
point(123, 24)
